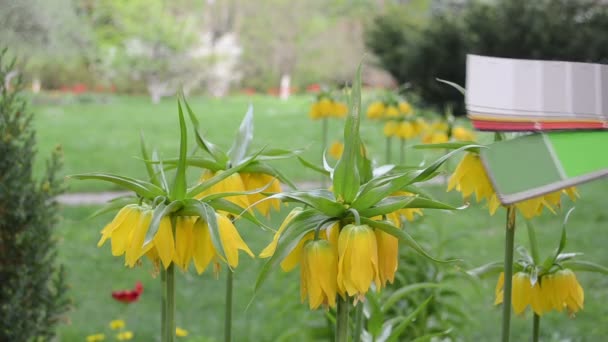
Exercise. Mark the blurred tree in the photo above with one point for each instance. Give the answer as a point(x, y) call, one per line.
point(33, 295)
point(570, 30)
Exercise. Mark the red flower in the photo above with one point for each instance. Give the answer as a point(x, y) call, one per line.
point(129, 296)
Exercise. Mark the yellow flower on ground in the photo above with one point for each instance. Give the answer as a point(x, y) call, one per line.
point(340, 109)
point(96, 337)
point(375, 110)
point(117, 324)
point(125, 336)
point(405, 108)
point(270, 184)
point(336, 149)
point(318, 270)
point(391, 128)
point(357, 260)
point(551, 292)
point(462, 134)
point(232, 183)
point(179, 332)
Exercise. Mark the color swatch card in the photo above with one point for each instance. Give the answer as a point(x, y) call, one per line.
point(536, 164)
point(504, 94)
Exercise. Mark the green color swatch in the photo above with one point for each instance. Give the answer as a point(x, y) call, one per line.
point(580, 153)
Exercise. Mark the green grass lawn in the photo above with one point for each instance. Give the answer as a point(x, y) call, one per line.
point(104, 136)
point(276, 314)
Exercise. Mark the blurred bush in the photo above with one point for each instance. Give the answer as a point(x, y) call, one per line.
point(415, 53)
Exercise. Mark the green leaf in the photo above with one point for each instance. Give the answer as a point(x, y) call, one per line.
point(179, 185)
point(142, 188)
point(322, 200)
point(160, 211)
point(196, 161)
point(243, 139)
point(299, 226)
point(403, 236)
point(403, 292)
point(447, 146)
point(220, 156)
point(487, 269)
point(347, 175)
point(277, 154)
point(566, 256)
point(585, 266)
point(392, 203)
point(235, 210)
point(563, 239)
point(381, 187)
point(207, 213)
point(146, 156)
point(375, 318)
point(458, 87)
point(159, 169)
point(429, 170)
point(406, 321)
point(431, 336)
point(114, 205)
point(313, 167)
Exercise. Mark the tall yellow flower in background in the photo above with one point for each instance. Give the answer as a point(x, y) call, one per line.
point(470, 177)
point(462, 134)
point(391, 128)
point(318, 271)
point(326, 107)
point(376, 110)
point(556, 291)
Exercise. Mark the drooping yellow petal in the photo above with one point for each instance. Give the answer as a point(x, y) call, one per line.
point(232, 183)
point(231, 241)
point(293, 258)
point(498, 291)
point(318, 274)
point(203, 249)
point(388, 256)
point(358, 260)
point(269, 250)
point(136, 248)
point(183, 241)
point(164, 243)
point(106, 232)
point(121, 234)
point(253, 181)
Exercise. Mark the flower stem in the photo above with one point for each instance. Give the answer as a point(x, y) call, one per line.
point(536, 328)
point(170, 318)
point(358, 322)
point(533, 243)
point(508, 264)
point(324, 147)
point(388, 150)
point(402, 152)
point(342, 320)
point(163, 306)
point(228, 308)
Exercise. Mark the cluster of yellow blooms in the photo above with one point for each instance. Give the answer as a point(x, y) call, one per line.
point(125, 335)
point(326, 107)
point(192, 240)
point(343, 261)
point(470, 177)
point(556, 291)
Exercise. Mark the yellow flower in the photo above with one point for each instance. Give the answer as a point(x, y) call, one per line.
point(435, 138)
point(253, 181)
point(127, 231)
point(406, 130)
point(336, 149)
point(117, 324)
point(340, 109)
point(96, 337)
point(390, 128)
point(270, 249)
point(551, 292)
point(314, 113)
point(388, 256)
point(203, 250)
point(318, 274)
point(405, 108)
point(392, 112)
point(325, 107)
point(163, 248)
point(408, 213)
point(125, 336)
point(184, 227)
point(232, 183)
point(357, 260)
point(462, 134)
point(179, 332)
point(375, 110)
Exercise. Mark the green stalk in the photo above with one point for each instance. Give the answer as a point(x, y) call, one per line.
point(324, 147)
point(228, 308)
point(388, 149)
point(536, 328)
point(358, 322)
point(533, 243)
point(163, 306)
point(342, 320)
point(402, 152)
point(506, 303)
point(170, 318)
